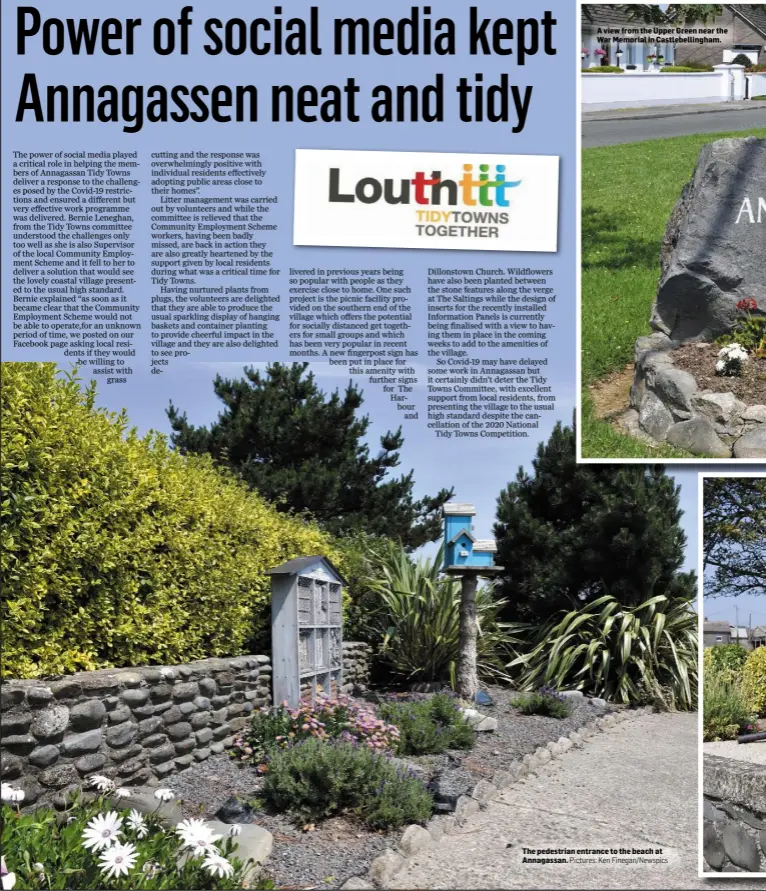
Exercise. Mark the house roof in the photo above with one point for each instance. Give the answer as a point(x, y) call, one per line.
point(740, 633)
point(486, 544)
point(605, 17)
point(717, 628)
point(298, 564)
point(759, 631)
point(752, 15)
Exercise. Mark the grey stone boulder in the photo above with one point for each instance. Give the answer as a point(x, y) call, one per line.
point(385, 866)
point(712, 253)
point(44, 756)
point(675, 388)
point(657, 341)
point(654, 417)
point(697, 436)
point(87, 715)
point(756, 413)
point(356, 883)
point(414, 839)
point(752, 444)
point(50, 722)
point(741, 848)
point(81, 743)
point(721, 408)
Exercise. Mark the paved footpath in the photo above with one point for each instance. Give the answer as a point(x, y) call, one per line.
point(633, 785)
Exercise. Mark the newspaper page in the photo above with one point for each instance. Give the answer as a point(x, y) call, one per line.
point(365, 374)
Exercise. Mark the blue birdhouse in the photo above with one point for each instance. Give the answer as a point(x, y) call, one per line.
point(462, 550)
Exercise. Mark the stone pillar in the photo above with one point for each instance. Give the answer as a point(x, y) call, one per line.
point(467, 677)
point(732, 81)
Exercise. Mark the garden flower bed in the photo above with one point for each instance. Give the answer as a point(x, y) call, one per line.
point(332, 850)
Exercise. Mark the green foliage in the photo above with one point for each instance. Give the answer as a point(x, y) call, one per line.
point(430, 726)
point(56, 842)
point(571, 533)
point(544, 701)
point(749, 333)
point(727, 659)
point(742, 59)
point(725, 711)
point(734, 536)
point(604, 69)
point(316, 779)
point(304, 451)
point(116, 550)
point(680, 69)
point(415, 619)
point(617, 652)
point(754, 681)
point(328, 718)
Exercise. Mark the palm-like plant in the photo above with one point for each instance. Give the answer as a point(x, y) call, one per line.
point(416, 620)
point(624, 654)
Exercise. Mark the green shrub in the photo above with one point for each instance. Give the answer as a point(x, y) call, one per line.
point(415, 619)
point(55, 842)
point(316, 779)
point(430, 726)
point(727, 659)
point(616, 652)
point(680, 69)
point(742, 59)
point(725, 711)
point(754, 681)
point(604, 69)
point(117, 550)
point(328, 718)
point(546, 701)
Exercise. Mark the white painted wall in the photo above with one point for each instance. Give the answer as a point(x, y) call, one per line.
point(603, 91)
point(757, 84)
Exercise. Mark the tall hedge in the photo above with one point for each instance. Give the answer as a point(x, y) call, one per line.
point(115, 549)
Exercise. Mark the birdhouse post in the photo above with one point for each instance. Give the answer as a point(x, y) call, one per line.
point(306, 629)
point(469, 558)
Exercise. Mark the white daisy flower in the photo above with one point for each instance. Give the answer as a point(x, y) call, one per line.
point(197, 835)
point(7, 879)
point(164, 794)
point(122, 792)
point(103, 784)
point(138, 824)
point(118, 860)
point(150, 868)
point(235, 830)
point(102, 831)
point(217, 865)
point(9, 794)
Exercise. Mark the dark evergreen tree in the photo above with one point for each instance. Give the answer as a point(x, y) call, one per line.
point(573, 532)
point(734, 536)
point(304, 451)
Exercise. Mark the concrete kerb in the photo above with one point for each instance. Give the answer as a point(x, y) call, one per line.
point(384, 868)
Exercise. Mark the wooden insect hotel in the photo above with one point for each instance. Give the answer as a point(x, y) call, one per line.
point(306, 629)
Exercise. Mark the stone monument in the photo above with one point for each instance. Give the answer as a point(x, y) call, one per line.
point(713, 256)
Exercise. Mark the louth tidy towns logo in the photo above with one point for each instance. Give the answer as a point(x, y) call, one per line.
point(480, 186)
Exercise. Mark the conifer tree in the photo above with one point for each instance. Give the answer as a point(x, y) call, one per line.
point(305, 451)
point(571, 532)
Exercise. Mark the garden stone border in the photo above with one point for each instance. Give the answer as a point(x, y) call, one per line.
point(734, 816)
point(667, 406)
point(417, 838)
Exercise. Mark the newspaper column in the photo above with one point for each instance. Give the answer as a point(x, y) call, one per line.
point(470, 559)
point(306, 629)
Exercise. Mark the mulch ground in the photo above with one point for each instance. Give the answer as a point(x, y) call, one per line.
point(343, 847)
point(699, 360)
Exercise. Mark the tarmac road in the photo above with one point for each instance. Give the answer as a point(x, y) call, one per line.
point(631, 786)
point(613, 128)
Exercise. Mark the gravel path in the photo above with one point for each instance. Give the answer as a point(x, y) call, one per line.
point(755, 752)
point(340, 848)
point(634, 785)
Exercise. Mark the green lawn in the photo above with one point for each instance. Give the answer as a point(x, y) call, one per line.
point(628, 192)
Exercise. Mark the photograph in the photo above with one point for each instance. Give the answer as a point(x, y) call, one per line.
point(733, 715)
point(673, 185)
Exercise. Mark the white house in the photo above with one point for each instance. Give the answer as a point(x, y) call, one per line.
point(601, 43)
